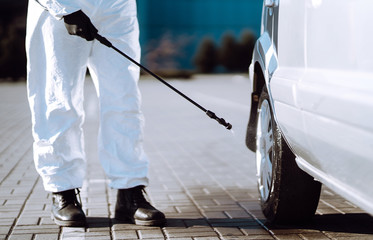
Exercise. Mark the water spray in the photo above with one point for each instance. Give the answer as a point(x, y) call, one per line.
point(209, 113)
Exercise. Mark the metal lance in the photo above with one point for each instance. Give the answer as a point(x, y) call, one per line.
point(209, 113)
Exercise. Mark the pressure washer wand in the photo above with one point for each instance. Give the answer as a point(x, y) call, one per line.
point(212, 115)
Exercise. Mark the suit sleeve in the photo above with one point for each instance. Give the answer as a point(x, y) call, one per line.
point(60, 8)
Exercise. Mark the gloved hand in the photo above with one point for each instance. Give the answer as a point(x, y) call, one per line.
point(77, 23)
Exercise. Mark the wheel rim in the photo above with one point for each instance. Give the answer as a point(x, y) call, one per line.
point(264, 149)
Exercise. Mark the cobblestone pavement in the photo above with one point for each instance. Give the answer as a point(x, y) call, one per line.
point(202, 176)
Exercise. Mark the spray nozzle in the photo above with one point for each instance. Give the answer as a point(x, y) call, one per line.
point(219, 120)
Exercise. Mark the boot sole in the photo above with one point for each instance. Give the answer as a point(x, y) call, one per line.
point(66, 223)
point(158, 222)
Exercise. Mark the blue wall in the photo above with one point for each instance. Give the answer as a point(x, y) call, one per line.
point(174, 28)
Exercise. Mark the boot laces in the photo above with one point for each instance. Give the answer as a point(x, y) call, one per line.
point(70, 198)
point(141, 198)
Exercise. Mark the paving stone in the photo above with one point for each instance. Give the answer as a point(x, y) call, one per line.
point(240, 222)
point(206, 238)
point(98, 235)
point(4, 229)
point(229, 231)
point(314, 236)
point(191, 232)
point(237, 214)
point(123, 226)
point(150, 234)
point(251, 237)
point(256, 231)
point(71, 233)
point(28, 221)
point(186, 215)
point(344, 235)
point(42, 212)
point(20, 230)
point(215, 214)
point(21, 237)
point(46, 221)
point(196, 222)
point(287, 230)
point(46, 237)
point(6, 221)
point(125, 234)
point(288, 236)
point(34, 206)
point(186, 238)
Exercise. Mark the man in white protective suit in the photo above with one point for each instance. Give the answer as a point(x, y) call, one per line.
point(57, 64)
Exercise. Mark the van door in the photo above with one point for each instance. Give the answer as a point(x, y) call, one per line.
point(336, 94)
point(286, 78)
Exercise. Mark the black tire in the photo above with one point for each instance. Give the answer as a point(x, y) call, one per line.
point(292, 195)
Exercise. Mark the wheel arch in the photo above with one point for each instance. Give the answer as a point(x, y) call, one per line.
point(258, 83)
point(263, 66)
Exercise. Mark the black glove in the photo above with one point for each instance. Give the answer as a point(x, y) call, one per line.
point(77, 23)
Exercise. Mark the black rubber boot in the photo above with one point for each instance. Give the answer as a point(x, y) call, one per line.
point(133, 207)
point(66, 210)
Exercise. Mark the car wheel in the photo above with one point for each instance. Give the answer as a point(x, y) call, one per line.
point(287, 193)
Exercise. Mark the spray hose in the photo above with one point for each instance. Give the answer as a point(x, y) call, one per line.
point(209, 113)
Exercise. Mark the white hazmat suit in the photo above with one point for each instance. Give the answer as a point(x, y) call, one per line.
point(56, 69)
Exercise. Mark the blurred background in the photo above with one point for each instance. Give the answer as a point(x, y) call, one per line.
point(178, 37)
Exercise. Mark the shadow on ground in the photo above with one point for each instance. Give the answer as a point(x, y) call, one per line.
point(102, 222)
point(339, 223)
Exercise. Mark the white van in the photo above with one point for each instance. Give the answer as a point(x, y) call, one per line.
point(311, 118)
